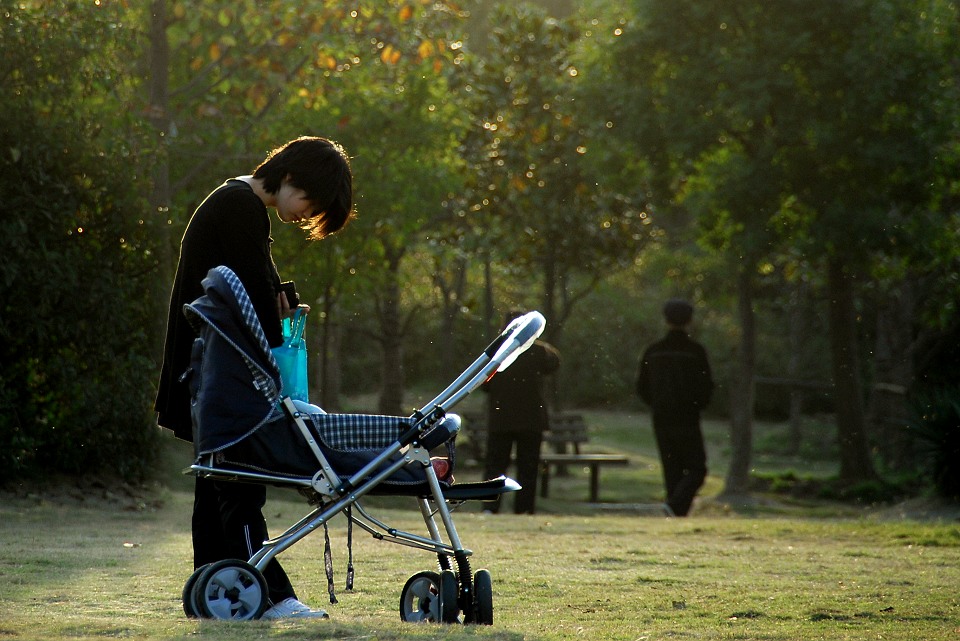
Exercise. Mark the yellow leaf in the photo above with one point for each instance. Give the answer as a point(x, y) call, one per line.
point(390, 55)
point(214, 51)
point(406, 12)
point(425, 50)
point(326, 61)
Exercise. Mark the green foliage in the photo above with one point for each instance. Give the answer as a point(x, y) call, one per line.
point(546, 209)
point(809, 488)
point(76, 309)
point(936, 426)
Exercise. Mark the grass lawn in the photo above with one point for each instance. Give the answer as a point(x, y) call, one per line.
point(95, 562)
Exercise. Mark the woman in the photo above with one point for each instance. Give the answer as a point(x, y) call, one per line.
point(308, 181)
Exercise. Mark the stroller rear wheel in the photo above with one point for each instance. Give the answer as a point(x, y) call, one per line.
point(483, 596)
point(230, 589)
point(449, 593)
point(420, 598)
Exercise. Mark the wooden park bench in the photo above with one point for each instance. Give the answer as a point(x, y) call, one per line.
point(568, 431)
point(592, 461)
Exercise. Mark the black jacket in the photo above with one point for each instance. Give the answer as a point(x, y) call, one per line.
point(674, 374)
point(231, 228)
point(516, 394)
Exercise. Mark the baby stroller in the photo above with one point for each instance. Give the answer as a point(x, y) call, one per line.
point(247, 430)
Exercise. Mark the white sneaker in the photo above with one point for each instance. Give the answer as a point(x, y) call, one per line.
point(293, 609)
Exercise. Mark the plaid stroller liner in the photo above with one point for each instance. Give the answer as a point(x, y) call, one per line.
point(279, 448)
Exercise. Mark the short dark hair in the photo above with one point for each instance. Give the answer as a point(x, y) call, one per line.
point(677, 311)
point(319, 167)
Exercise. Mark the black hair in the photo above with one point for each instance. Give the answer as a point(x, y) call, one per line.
point(319, 167)
point(678, 312)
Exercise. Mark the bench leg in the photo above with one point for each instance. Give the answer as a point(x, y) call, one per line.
point(594, 482)
point(544, 480)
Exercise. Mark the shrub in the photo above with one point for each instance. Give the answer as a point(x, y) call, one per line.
point(936, 426)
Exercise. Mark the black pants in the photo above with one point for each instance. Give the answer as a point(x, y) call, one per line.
point(499, 446)
point(683, 457)
point(228, 523)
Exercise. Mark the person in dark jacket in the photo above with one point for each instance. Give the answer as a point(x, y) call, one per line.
point(674, 379)
point(517, 416)
point(309, 182)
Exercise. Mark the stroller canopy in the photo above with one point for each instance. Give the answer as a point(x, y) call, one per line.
point(233, 377)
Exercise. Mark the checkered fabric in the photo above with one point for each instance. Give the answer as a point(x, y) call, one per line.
point(345, 432)
point(354, 432)
point(261, 379)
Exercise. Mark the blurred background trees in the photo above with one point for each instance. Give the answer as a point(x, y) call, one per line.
point(790, 168)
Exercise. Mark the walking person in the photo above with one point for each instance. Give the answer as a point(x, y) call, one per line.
point(307, 181)
point(517, 418)
point(674, 379)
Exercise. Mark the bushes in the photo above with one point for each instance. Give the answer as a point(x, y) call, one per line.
point(76, 312)
point(936, 426)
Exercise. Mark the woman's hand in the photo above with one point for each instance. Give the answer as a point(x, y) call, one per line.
point(283, 307)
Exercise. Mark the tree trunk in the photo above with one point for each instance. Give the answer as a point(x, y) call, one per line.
point(451, 297)
point(328, 348)
point(489, 322)
point(855, 462)
point(798, 338)
point(893, 364)
point(391, 340)
point(742, 392)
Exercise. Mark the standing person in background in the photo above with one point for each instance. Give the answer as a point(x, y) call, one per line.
point(517, 415)
point(674, 380)
point(309, 182)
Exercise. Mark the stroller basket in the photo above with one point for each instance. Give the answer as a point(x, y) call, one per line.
point(247, 430)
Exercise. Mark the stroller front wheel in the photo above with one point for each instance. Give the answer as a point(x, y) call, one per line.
point(232, 590)
point(189, 603)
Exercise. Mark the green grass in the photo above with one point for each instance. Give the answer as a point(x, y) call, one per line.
point(113, 565)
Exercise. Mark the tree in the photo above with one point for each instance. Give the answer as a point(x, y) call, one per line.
point(782, 126)
point(392, 108)
point(78, 249)
point(547, 211)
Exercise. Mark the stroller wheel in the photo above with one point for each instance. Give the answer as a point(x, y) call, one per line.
point(420, 598)
point(230, 589)
point(449, 592)
point(189, 604)
point(483, 595)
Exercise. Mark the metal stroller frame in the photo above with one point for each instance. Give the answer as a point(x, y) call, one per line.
point(235, 589)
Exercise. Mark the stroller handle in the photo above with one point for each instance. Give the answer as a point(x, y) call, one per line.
point(519, 336)
point(498, 356)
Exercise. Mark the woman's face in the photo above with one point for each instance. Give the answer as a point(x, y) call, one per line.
point(292, 204)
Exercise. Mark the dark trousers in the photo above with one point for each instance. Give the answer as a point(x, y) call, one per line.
point(228, 523)
point(683, 457)
point(499, 446)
